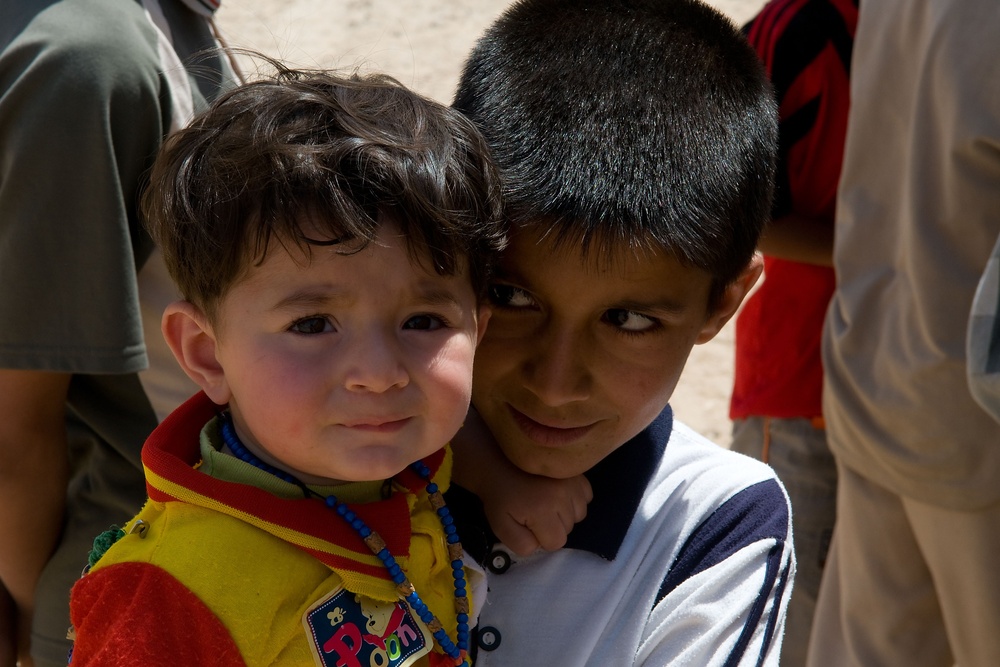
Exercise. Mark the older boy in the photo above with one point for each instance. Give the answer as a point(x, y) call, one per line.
point(332, 238)
point(636, 142)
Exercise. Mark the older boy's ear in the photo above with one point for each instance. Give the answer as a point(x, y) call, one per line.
point(731, 299)
point(193, 342)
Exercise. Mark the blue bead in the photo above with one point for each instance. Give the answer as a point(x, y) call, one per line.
point(453, 538)
point(456, 565)
point(384, 555)
point(460, 592)
point(365, 532)
point(450, 530)
point(447, 520)
point(432, 488)
point(357, 524)
point(463, 619)
point(331, 502)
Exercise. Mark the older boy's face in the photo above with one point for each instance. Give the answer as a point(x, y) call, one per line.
point(580, 355)
point(347, 367)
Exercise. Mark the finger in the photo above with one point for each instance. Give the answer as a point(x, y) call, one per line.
point(515, 536)
point(581, 498)
point(551, 531)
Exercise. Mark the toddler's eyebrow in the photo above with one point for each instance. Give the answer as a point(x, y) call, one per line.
point(320, 297)
point(312, 297)
point(435, 296)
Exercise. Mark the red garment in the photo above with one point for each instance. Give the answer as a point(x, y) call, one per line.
point(805, 46)
point(108, 598)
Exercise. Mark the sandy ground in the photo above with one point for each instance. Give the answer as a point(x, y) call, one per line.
point(423, 43)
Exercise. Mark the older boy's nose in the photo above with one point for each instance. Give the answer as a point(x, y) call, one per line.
point(555, 370)
point(375, 365)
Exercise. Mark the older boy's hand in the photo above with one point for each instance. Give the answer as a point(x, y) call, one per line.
point(532, 512)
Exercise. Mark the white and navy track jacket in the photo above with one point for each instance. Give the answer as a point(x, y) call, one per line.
point(685, 558)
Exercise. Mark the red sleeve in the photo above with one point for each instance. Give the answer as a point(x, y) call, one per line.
point(138, 615)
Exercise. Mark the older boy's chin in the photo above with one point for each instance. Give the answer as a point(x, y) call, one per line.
point(545, 462)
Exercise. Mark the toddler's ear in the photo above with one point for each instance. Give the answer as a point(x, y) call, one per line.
point(482, 319)
point(732, 297)
point(193, 342)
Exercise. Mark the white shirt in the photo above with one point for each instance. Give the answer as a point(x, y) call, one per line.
point(685, 558)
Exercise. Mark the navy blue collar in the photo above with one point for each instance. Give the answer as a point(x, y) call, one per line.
point(619, 482)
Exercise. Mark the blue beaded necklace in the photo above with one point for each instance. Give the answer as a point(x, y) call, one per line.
point(378, 547)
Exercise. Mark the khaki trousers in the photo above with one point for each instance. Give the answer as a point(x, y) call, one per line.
point(907, 584)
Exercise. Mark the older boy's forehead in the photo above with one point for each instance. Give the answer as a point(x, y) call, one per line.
point(535, 246)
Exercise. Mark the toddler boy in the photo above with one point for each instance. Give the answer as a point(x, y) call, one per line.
point(331, 237)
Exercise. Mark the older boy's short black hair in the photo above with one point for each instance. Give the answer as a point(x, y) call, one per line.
point(341, 154)
point(644, 122)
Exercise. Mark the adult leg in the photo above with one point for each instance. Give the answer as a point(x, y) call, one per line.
point(878, 606)
point(961, 551)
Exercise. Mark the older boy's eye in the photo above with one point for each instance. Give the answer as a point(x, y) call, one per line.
point(424, 323)
point(311, 325)
point(628, 320)
point(508, 296)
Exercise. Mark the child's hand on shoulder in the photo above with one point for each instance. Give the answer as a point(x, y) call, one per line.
point(527, 512)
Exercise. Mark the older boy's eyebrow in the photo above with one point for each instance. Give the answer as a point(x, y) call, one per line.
point(664, 308)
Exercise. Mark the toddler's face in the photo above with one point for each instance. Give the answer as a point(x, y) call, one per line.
point(347, 367)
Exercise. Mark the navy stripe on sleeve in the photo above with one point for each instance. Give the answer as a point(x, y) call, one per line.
point(773, 618)
point(757, 610)
point(758, 512)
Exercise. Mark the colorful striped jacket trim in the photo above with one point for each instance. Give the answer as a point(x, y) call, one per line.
point(172, 454)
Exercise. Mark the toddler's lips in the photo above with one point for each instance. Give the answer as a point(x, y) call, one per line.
point(546, 435)
point(378, 425)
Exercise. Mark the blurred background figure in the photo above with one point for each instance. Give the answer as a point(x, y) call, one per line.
point(88, 89)
point(911, 578)
point(776, 404)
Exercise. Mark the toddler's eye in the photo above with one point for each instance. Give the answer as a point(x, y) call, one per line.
point(311, 325)
point(629, 321)
point(508, 296)
point(424, 323)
